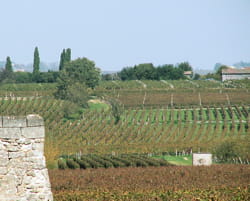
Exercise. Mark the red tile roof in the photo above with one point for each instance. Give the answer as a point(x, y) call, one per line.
point(187, 72)
point(236, 71)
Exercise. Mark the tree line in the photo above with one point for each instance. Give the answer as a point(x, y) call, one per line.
point(7, 75)
point(145, 71)
point(148, 71)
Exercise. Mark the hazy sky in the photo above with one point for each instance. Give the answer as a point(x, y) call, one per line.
point(119, 33)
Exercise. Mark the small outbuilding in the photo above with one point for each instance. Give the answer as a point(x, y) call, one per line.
point(202, 159)
point(188, 74)
point(235, 74)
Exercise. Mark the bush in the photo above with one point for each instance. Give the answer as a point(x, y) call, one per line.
point(62, 164)
point(72, 164)
point(140, 163)
point(91, 162)
point(105, 163)
point(83, 164)
point(123, 160)
point(226, 151)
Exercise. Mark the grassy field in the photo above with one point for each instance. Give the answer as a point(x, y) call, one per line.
point(177, 160)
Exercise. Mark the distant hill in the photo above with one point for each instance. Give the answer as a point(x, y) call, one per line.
point(203, 71)
point(2, 64)
point(109, 72)
point(44, 67)
point(242, 64)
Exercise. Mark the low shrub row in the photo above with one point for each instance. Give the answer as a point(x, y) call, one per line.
point(108, 161)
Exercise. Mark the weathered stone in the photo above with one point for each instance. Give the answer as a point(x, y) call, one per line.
point(3, 162)
point(3, 171)
point(14, 122)
point(33, 132)
point(26, 147)
point(16, 155)
point(23, 173)
point(24, 141)
point(38, 147)
point(1, 145)
point(12, 147)
point(3, 154)
point(34, 120)
point(10, 133)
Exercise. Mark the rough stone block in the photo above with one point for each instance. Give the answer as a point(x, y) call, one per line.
point(16, 155)
point(3, 161)
point(3, 171)
point(33, 132)
point(14, 122)
point(10, 133)
point(12, 148)
point(23, 173)
point(3, 153)
point(38, 147)
point(34, 120)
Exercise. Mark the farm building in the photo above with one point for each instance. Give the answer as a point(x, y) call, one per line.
point(188, 74)
point(235, 74)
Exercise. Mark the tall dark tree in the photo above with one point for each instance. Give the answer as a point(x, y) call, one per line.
point(8, 65)
point(68, 55)
point(36, 63)
point(62, 60)
point(65, 57)
point(6, 74)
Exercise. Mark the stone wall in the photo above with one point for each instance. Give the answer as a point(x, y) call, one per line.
point(23, 173)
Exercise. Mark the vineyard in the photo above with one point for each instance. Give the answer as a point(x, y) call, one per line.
point(158, 118)
point(138, 131)
point(151, 94)
point(218, 182)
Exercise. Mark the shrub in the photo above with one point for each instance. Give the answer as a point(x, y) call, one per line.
point(83, 164)
point(62, 164)
point(91, 162)
point(72, 164)
point(226, 151)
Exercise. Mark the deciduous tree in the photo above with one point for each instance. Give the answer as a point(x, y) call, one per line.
point(77, 72)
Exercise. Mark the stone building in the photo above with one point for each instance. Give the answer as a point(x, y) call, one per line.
point(235, 74)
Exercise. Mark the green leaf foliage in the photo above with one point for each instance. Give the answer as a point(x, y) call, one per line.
point(36, 63)
point(8, 65)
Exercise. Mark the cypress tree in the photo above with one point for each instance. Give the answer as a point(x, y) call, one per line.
point(68, 55)
point(36, 63)
point(62, 60)
point(8, 65)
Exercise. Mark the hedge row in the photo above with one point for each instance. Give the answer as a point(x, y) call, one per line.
point(108, 161)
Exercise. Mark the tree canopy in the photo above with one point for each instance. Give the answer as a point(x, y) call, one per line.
point(149, 72)
point(81, 71)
